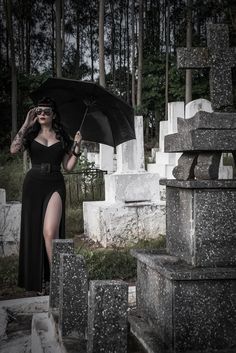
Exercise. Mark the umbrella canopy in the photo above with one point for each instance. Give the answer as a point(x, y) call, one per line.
point(105, 117)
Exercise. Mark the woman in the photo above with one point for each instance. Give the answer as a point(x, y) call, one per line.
point(43, 197)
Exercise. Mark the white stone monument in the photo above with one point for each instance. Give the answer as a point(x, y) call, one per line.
point(106, 158)
point(132, 209)
point(197, 105)
point(10, 213)
point(165, 162)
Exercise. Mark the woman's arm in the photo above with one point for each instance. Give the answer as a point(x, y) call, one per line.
point(70, 160)
point(17, 142)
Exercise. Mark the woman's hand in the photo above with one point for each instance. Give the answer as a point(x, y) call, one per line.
point(31, 118)
point(78, 137)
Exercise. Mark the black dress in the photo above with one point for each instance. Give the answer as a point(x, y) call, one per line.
point(39, 185)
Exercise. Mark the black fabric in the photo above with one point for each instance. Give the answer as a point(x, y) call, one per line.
point(37, 189)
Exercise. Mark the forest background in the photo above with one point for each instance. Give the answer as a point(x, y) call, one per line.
point(129, 46)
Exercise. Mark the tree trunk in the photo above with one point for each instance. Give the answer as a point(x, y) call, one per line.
point(27, 40)
point(13, 69)
point(58, 39)
point(128, 53)
point(113, 42)
point(188, 88)
point(167, 57)
point(101, 43)
point(140, 55)
point(53, 40)
point(133, 54)
point(91, 44)
point(77, 55)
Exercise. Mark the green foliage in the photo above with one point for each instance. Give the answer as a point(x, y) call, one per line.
point(102, 264)
point(8, 276)
point(11, 175)
point(115, 263)
point(74, 221)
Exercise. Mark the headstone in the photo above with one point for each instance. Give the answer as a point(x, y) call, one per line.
point(163, 131)
point(10, 214)
point(132, 200)
point(130, 155)
point(186, 294)
point(165, 162)
point(2, 196)
point(195, 106)
point(59, 246)
point(106, 158)
point(175, 110)
point(107, 317)
point(73, 296)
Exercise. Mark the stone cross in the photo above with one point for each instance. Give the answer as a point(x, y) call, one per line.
point(220, 58)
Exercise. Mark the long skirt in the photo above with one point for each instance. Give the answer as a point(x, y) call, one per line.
point(34, 266)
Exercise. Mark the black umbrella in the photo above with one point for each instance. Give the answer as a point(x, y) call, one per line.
point(98, 114)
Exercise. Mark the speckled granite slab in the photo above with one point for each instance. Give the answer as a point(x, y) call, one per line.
point(107, 317)
point(190, 309)
point(201, 223)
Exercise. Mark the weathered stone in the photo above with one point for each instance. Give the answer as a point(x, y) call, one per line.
point(200, 184)
point(58, 246)
point(219, 58)
point(201, 227)
point(118, 224)
point(208, 121)
point(130, 155)
point(202, 140)
point(73, 295)
point(2, 196)
point(195, 106)
point(106, 158)
point(194, 306)
point(107, 317)
point(10, 214)
point(185, 168)
point(207, 166)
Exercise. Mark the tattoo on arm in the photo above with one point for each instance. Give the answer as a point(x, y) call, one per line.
point(17, 141)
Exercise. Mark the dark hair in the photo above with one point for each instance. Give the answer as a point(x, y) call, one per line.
point(61, 134)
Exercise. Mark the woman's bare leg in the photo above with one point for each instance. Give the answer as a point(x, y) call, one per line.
point(52, 221)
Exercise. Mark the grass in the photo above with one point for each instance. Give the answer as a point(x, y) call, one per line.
point(102, 264)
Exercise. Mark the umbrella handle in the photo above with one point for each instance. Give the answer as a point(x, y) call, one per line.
point(86, 110)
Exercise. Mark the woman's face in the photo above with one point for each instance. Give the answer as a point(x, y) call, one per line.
point(45, 115)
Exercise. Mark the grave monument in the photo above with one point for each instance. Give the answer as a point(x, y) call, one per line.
point(186, 298)
point(132, 200)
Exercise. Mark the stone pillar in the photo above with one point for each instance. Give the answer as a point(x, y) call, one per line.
point(73, 295)
point(175, 111)
point(58, 246)
point(163, 131)
point(106, 158)
point(2, 196)
point(107, 317)
point(130, 155)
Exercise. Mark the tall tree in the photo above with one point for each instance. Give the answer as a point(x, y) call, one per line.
point(140, 54)
point(101, 43)
point(167, 12)
point(58, 38)
point(133, 53)
point(13, 68)
point(188, 87)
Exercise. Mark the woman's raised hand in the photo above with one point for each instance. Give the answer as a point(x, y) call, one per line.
point(78, 137)
point(31, 118)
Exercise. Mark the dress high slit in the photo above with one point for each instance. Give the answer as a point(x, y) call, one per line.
point(38, 187)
